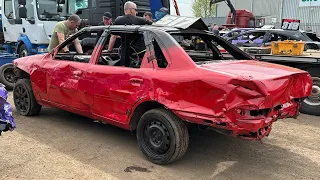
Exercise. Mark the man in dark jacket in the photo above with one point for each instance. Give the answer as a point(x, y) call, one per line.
point(106, 19)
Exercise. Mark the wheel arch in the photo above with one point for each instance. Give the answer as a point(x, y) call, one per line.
point(140, 108)
point(23, 39)
point(20, 73)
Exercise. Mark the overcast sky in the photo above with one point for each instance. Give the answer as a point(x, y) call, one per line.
point(184, 7)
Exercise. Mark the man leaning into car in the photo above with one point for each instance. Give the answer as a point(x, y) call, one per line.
point(64, 29)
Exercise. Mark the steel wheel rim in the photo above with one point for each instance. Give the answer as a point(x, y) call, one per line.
point(156, 137)
point(9, 75)
point(22, 99)
point(314, 98)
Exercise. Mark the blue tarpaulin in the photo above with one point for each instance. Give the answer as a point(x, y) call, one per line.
point(155, 5)
point(6, 118)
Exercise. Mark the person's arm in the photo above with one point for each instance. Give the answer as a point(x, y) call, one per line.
point(144, 21)
point(113, 38)
point(112, 42)
point(61, 40)
point(78, 46)
point(60, 34)
point(149, 22)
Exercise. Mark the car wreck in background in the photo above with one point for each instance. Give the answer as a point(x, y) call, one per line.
point(264, 37)
point(165, 88)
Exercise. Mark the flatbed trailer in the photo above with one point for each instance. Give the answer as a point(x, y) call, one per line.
point(310, 62)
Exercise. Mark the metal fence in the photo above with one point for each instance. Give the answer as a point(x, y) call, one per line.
point(309, 16)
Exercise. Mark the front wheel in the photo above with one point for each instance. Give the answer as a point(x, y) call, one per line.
point(24, 100)
point(162, 136)
point(23, 51)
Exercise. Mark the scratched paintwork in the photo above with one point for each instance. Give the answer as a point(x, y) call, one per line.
point(219, 95)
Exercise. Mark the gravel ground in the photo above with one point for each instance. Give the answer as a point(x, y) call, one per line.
point(60, 145)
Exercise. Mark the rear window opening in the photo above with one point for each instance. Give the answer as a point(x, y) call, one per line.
point(204, 48)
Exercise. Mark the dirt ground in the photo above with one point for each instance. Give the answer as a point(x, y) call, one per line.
point(60, 145)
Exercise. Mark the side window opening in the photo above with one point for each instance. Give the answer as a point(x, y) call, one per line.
point(16, 9)
point(110, 58)
point(161, 60)
point(200, 48)
point(8, 9)
point(244, 37)
point(74, 5)
point(94, 3)
point(30, 7)
point(128, 51)
point(87, 40)
point(257, 37)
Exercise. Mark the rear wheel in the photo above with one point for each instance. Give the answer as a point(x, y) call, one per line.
point(162, 136)
point(24, 100)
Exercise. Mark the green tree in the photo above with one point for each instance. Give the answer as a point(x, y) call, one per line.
point(201, 8)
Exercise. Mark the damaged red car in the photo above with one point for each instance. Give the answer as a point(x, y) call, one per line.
point(157, 82)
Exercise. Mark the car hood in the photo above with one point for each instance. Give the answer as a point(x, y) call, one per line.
point(25, 63)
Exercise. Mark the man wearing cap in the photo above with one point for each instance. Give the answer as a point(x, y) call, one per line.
point(107, 19)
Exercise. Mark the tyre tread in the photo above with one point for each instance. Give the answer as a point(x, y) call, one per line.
point(179, 127)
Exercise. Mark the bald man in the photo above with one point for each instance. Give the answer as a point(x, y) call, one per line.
point(130, 17)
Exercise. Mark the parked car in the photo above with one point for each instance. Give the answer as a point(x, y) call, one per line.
point(235, 32)
point(312, 35)
point(160, 91)
point(264, 37)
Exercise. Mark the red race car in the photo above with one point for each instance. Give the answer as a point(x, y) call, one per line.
point(157, 82)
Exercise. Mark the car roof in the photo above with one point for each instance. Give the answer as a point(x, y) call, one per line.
point(129, 28)
point(280, 31)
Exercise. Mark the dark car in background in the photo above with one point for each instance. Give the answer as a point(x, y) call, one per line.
point(264, 37)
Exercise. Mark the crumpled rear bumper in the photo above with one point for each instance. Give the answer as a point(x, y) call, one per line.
point(243, 125)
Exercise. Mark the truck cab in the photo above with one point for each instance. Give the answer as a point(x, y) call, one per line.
point(28, 24)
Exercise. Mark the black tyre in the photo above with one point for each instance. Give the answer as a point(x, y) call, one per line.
point(24, 100)
point(23, 51)
point(311, 105)
point(162, 136)
point(7, 75)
